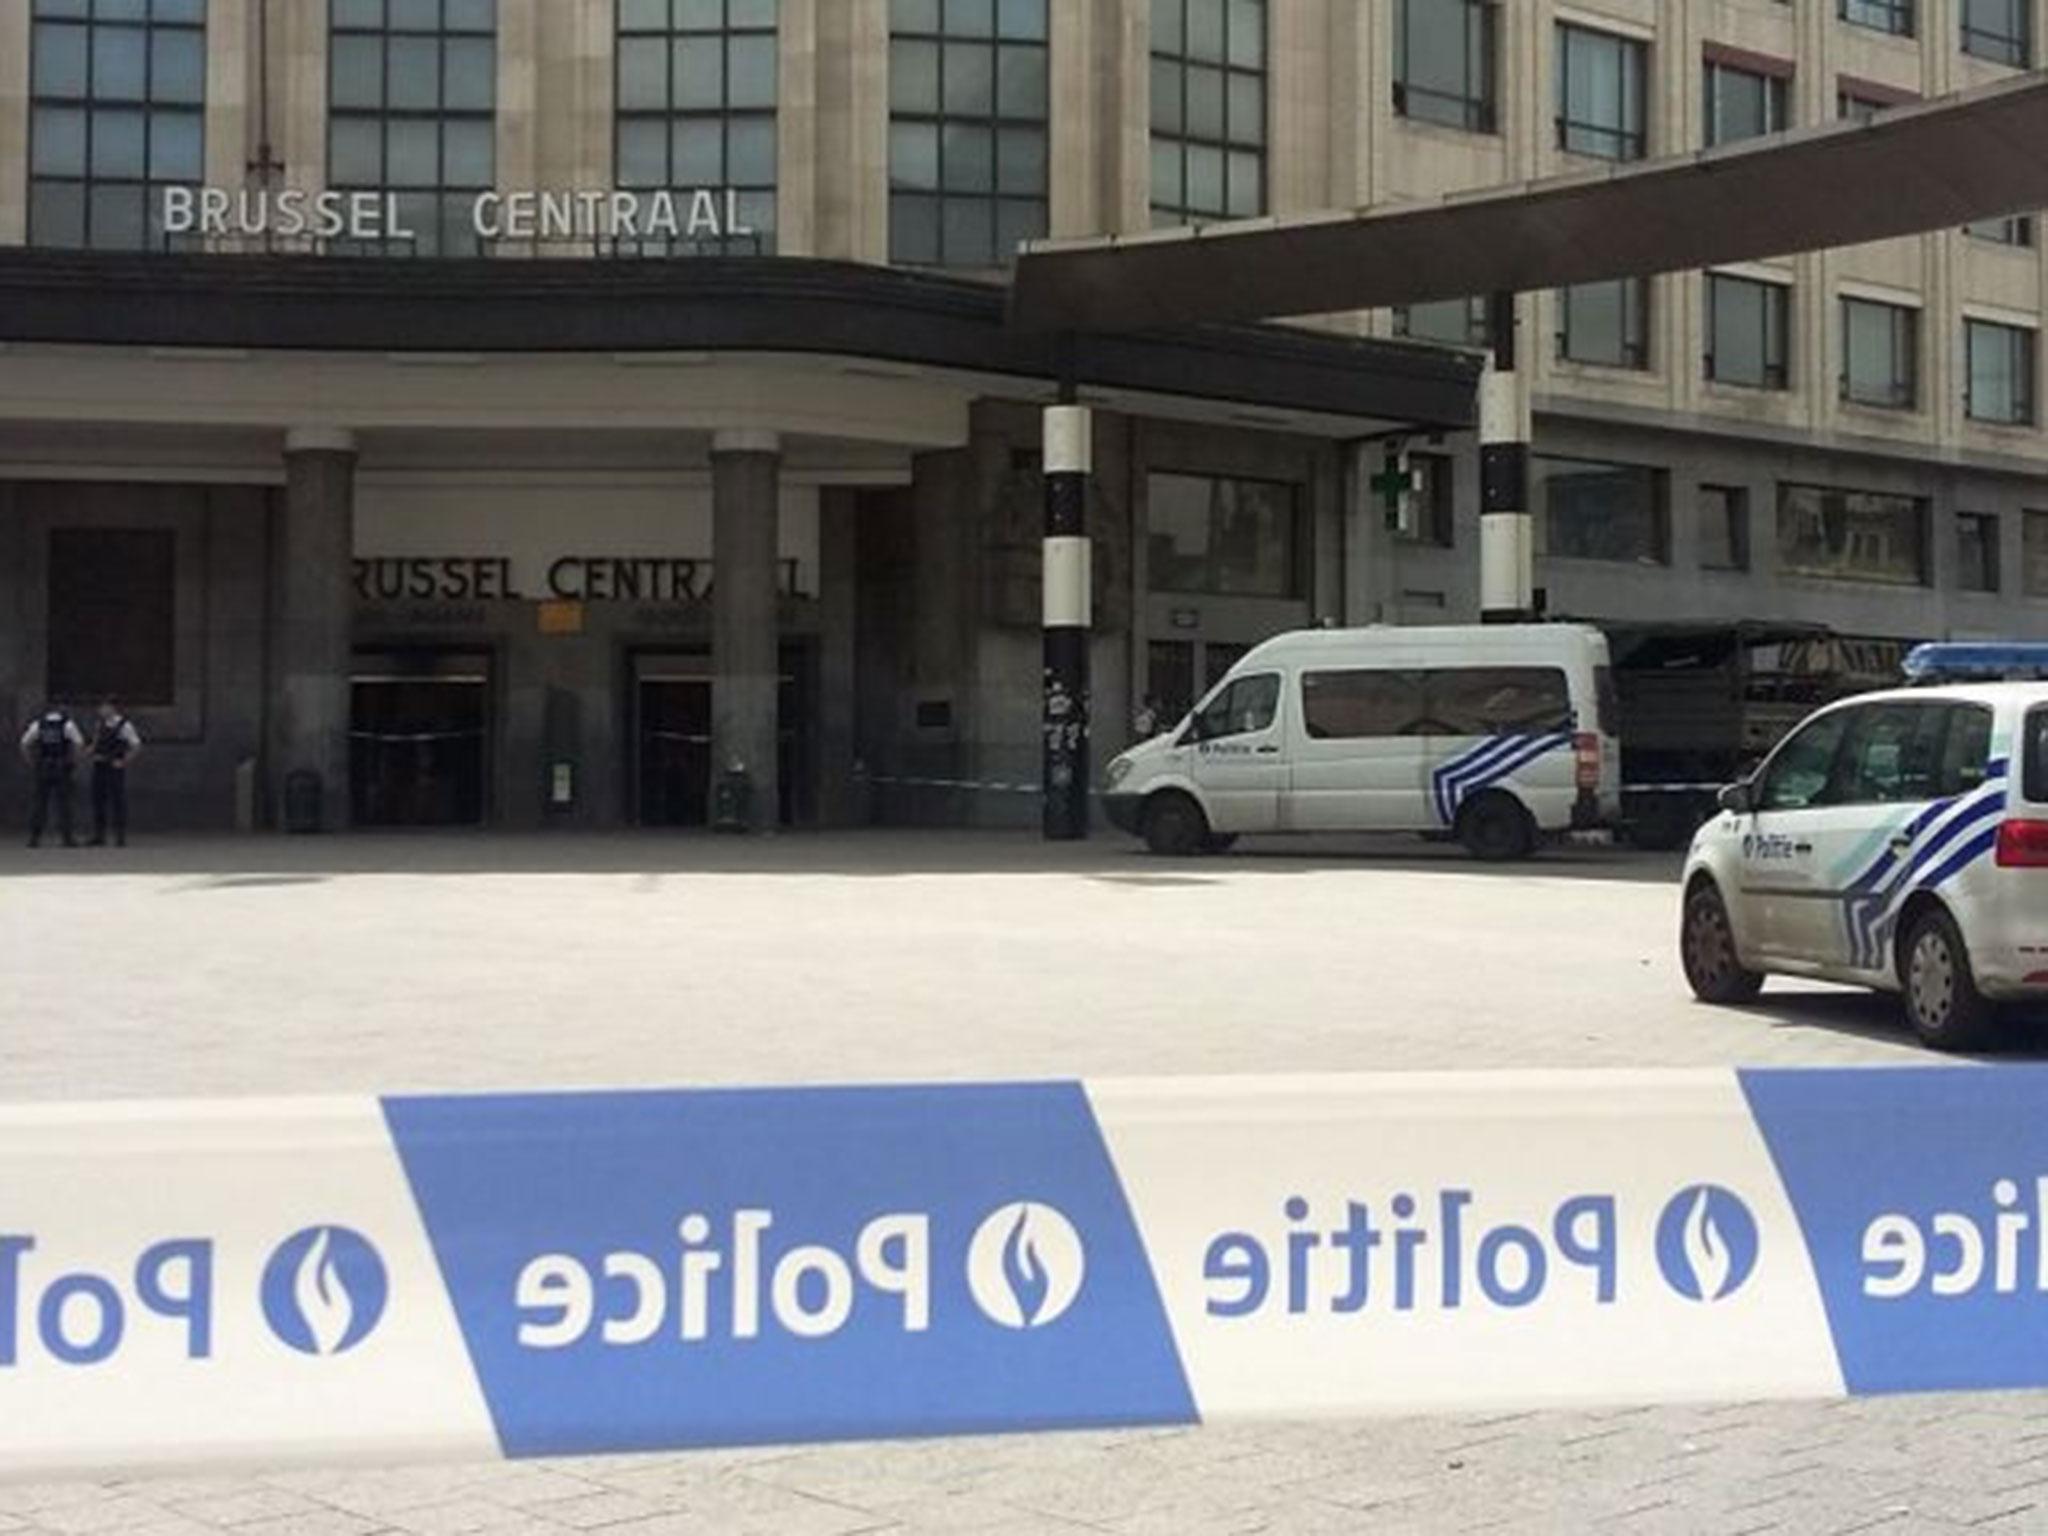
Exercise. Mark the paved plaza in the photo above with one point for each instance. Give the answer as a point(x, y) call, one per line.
point(210, 967)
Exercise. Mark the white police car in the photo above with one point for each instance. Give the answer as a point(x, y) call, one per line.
point(1895, 840)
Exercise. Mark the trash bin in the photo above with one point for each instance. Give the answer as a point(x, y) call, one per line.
point(302, 797)
point(732, 802)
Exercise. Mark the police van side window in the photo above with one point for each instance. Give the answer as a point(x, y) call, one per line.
point(1800, 769)
point(1498, 701)
point(1348, 705)
point(1246, 706)
point(1966, 749)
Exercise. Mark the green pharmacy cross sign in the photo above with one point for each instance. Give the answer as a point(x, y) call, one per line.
point(1394, 485)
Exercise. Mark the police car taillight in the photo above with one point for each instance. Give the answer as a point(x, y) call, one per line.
point(2023, 844)
point(1586, 760)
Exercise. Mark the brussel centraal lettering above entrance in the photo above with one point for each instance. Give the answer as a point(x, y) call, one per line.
point(580, 578)
point(296, 213)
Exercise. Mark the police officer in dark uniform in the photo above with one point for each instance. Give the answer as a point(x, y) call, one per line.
point(51, 746)
point(115, 744)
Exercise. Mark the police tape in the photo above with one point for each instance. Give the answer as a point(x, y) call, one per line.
point(186, 1284)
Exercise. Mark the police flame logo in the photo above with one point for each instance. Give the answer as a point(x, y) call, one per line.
point(1025, 1265)
point(324, 1290)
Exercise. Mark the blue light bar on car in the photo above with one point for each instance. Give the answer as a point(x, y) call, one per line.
point(1954, 660)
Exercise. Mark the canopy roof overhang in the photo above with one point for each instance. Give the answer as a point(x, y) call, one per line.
point(1939, 164)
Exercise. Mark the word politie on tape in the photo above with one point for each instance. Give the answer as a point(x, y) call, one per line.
point(536, 1274)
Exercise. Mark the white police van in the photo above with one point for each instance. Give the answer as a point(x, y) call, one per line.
point(1496, 734)
point(1895, 840)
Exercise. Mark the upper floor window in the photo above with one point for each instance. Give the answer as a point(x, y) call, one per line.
point(1863, 110)
point(1455, 322)
point(696, 109)
point(1893, 16)
point(1999, 29)
point(1742, 103)
point(412, 110)
point(1746, 331)
point(2016, 230)
point(1443, 62)
point(967, 130)
point(117, 113)
point(1880, 353)
point(2000, 364)
point(1208, 110)
point(1600, 93)
point(1605, 323)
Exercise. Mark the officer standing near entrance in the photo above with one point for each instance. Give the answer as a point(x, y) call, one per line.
point(51, 746)
point(115, 744)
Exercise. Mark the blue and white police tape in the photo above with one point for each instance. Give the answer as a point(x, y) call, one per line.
point(184, 1284)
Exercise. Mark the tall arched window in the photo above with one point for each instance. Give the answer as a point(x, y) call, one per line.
point(696, 111)
point(117, 113)
point(968, 111)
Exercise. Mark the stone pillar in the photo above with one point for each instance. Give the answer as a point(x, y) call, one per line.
point(313, 617)
point(745, 632)
point(1507, 541)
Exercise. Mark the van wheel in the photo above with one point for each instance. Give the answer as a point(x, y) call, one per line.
point(1706, 948)
point(1937, 988)
point(1175, 826)
point(1495, 828)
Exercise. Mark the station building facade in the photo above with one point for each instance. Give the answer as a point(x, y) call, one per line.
point(513, 412)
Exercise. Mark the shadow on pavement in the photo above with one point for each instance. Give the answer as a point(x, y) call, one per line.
point(1874, 1016)
point(223, 862)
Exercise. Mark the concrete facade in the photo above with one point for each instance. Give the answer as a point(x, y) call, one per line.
point(912, 625)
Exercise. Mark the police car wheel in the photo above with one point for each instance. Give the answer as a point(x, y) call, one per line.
point(1706, 948)
point(1940, 995)
point(1175, 826)
point(1495, 828)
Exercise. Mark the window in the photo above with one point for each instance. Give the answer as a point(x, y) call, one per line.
point(696, 91)
point(1724, 527)
point(2035, 782)
point(1880, 353)
point(1454, 322)
point(2000, 363)
point(1742, 103)
point(1248, 705)
point(1600, 105)
point(1893, 16)
point(1443, 62)
point(113, 614)
point(1852, 535)
point(412, 109)
point(1435, 500)
point(1208, 110)
point(1977, 551)
point(2034, 554)
point(1746, 331)
point(1853, 107)
point(1498, 701)
point(1229, 538)
point(2001, 30)
point(1596, 511)
point(1606, 324)
point(1892, 754)
point(1800, 769)
point(1345, 706)
point(1965, 749)
point(2017, 230)
point(967, 130)
point(117, 113)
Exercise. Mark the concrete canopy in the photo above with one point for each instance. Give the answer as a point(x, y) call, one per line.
point(1939, 164)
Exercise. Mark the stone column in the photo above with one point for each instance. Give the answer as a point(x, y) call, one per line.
point(313, 617)
point(745, 632)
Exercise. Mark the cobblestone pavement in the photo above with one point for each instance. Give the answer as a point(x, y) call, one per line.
point(228, 967)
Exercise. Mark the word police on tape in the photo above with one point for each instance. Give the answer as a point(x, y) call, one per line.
point(554, 1273)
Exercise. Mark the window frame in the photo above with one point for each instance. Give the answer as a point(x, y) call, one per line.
point(1841, 721)
point(1655, 477)
point(673, 114)
point(1033, 205)
point(1635, 325)
point(2014, 232)
point(1181, 140)
point(443, 191)
point(91, 106)
point(1197, 732)
point(1894, 18)
point(1777, 101)
point(1478, 113)
point(1922, 509)
point(1776, 374)
point(1630, 137)
point(2026, 344)
point(1989, 524)
point(1735, 504)
point(2014, 48)
point(1297, 527)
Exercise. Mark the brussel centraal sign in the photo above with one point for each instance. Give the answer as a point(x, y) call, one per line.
point(297, 213)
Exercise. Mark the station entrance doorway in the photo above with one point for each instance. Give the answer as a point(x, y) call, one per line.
point(419, 737)
point(671, 713)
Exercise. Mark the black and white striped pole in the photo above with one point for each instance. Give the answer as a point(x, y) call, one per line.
point(1507, 543)
point(1069, 560)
